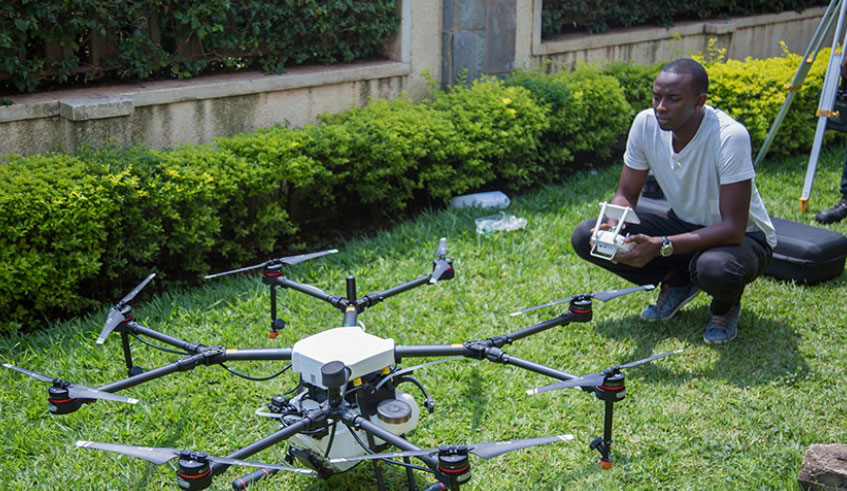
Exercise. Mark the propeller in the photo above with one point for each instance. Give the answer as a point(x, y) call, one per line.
point(597, 379)
point(481, 450)
point(602, 296)
point(289, 261)
point(74, 391)
point(116, 315)
point(441, 263)
point(160, 456)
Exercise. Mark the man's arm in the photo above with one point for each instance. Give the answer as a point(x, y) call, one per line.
point(734, 207)
point(629, 187)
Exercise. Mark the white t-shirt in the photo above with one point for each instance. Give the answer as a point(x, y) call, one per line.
point(720, 153)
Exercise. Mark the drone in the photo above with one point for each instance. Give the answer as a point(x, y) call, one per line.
point(347, 406)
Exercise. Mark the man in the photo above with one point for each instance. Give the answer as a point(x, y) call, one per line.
point(717, 237)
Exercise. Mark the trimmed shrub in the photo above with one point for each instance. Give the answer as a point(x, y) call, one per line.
point(53, 217)
point(500, 128)
point(578, 125)
point(636, 82)
point(594, 16)
point(752, 92)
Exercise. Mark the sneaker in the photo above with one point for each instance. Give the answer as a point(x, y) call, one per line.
point(834, 214)
point(723, 328)
point(671, 299)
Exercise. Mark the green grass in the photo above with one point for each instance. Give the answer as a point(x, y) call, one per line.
point(736, 416)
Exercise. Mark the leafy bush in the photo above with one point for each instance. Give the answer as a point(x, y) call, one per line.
point(577, 127)
point(52, 216)
point(636, 82)
point(500, 128)
point(752, 92)
point(51, 41)
point(593, 16)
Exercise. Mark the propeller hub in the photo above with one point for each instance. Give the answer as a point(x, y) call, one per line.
point(454, 467)
point(193, 474)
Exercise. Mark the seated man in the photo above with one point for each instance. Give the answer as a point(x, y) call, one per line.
point(717, 236)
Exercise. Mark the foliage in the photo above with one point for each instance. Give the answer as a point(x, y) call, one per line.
point(577, 128)
point(595, 16)
point(636, 82)
point(752, 92)
point(52, 216)
point(500, 127)
point(43, 42)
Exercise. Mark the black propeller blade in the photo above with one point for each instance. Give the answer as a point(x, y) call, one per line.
point(74, 391)
point(481, 450)
point(160, 456)
point(597, 379)
point(116, 315)
point(602, 296)
point(289, 261)
point(441, 264)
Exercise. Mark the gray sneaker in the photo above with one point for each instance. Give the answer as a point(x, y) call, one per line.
point(671, 299)
point(723, 328)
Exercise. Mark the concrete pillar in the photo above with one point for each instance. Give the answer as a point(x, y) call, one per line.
point(478, 36)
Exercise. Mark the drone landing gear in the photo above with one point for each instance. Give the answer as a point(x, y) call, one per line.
point(131, 370)
point(613, 390)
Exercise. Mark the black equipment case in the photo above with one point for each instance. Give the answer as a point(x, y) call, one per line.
point(806, 254)
point(803, 253)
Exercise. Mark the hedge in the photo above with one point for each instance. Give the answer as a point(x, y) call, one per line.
point(595, 16)
point(80, 231)
point(74, 41)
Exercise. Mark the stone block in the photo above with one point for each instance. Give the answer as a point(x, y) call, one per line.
point(93, 107)
point(471, 15)
point(824, 468)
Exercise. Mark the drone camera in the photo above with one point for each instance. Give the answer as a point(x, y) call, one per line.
point(607, 243)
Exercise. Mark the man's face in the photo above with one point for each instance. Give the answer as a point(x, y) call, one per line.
point(675, 101)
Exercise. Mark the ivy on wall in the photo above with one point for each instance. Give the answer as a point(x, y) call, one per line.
point(79, 41)
point(596, 16)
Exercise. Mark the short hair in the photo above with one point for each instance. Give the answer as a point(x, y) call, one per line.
point(699, 77)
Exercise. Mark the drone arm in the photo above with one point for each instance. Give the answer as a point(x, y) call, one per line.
point(257, 354)
point(308, 421)
point(209, 356)
point(425, 350)
point(354, 419)
point(335, 301)
point(374, 298)
point(136, 328)
point(562, 320)
point(499, 356)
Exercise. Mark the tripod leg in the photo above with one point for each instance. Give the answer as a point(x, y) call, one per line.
point(830, 86)
point(800, 76)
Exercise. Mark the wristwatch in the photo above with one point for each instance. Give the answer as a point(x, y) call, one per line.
point(667, 247)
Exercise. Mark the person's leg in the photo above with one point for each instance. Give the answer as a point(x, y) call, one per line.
point(723, 272)
point(839, 210)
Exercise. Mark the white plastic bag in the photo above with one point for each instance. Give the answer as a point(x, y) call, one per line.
point(499, 222)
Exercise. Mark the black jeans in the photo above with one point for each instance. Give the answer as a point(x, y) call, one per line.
point(722, 272)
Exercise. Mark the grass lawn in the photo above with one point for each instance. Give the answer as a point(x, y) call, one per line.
point(734, 416)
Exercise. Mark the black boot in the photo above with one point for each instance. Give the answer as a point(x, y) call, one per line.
point(834, 214)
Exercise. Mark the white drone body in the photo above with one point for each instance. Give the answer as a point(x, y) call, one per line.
point(363, 354)
point(607, 243)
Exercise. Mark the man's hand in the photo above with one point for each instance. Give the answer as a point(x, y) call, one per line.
point(646, 248)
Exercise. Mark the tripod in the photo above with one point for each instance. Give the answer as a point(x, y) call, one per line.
point(830, 87)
